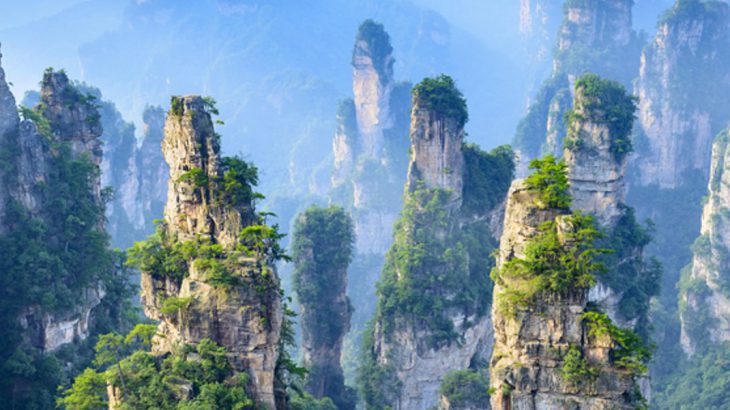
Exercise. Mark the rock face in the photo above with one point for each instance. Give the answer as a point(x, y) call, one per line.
point(372, 85)
point(682, 91)
point(437, 161)
point(596, 37)
point(245, 318)
point(138, 174)
point(433, 317)
point(370, 149)
point(71, 119)
point(705, 295)
point(322, 250)
point(530, 347)
point(539, 20)
point(596, 174)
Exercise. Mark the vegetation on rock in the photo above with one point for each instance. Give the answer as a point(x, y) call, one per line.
point(440, 95)
point(550, 179)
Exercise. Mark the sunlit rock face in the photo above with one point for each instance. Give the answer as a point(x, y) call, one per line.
point(244, 318)
point(704, 291)
point(682, 92)
point(436, 157)
point(530, 345)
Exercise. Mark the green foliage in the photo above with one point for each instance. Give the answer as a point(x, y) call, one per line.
point(603, 102)
point(531, 130)
point(41, 122)
point(210, 105)
point(629, 273)
point(630, 351)
point(575, 368)
point(558, 263)
point(377, 384)
point(426, 273)
point(465, 389)
point(487, 177)
point(378, 41)
point(550, 180)
point(239, 178)
point(322, 247)
point(195, 176)
point(172, 304)
point(305, 401)
point(441, 96)
point(322, 250)
point(176, 106)
point(702, 383)
point(86, 393)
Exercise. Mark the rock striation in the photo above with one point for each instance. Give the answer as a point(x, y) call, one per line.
point(244, 315)
point(433, 317)
point(682, 91)
point(596, 37)
point(704, 291)
point(533, 343)
point(137, 173)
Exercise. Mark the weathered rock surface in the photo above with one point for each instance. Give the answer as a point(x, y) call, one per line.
point(594, 37)
point(682, 92)
point(526, 368)
point(705, 295)
point(245, 318)
point(436, 158)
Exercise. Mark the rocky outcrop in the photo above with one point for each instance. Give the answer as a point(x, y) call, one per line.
point(539, 20)
point(596, 37)
point(433, 308)
point(370, 149)
point(437, 161)
point(682, 92)
point(529, 367)
point(596, 169)
point(372, 85)
point(243, 315)
point(322, 250)
point(704, 291)
point(137, 173)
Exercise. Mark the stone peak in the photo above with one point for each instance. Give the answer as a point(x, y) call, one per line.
point(373, 48)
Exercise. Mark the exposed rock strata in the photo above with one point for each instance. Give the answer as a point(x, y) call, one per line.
point(245, 318)
point(683, 92)
point(530, 346)
point(705, 294)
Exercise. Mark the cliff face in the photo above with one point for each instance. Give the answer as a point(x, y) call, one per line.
point(432, 317)
point(546, 353)
point(370, 149)
point(244, 315)
point(596, 37)
point(682, 92)
point(138, 174)
point(704, 291)
point(539, 20)
point(73, 120)
point(322, 249)
point(437, 161)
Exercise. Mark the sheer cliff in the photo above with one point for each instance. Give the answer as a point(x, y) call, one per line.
point(432, 316)
point(598, 144)
point(208, 273)
point(60, 282)
point(370, 150)
point(595, 36)
point(322, 250)
point(552, 348)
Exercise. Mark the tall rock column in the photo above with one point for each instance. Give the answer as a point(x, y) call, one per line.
point(683, 92)
point(225, 288)
point(705, 288)
point(595, 36)
point(432, 315)
point(597, 146)
point(551, 350)
point(322, 250)
point(372, 85)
